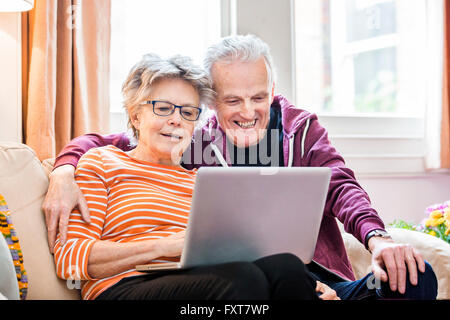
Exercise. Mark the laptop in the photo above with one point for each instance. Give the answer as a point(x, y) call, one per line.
point(246, 213)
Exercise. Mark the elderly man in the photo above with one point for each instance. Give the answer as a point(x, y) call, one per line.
point(254, 127)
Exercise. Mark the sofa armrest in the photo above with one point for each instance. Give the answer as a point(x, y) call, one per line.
point(24, 183)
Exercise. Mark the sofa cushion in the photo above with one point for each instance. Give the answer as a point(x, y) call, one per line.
point(24, 183)
point(12, 240)
point(8, 283)
point(434, 250)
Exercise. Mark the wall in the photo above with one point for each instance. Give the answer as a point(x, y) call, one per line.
point(406, 197)
point(10, 78)
point(273, 24)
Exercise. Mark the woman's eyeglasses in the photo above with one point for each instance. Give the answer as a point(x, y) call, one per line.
point(165, 108)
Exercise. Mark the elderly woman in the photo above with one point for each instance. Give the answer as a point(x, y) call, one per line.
point(139, 203)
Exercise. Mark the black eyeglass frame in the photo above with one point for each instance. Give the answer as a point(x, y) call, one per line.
point(152, 102)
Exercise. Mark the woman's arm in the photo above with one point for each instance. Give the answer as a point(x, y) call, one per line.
point(110, 258)
point(85, 255)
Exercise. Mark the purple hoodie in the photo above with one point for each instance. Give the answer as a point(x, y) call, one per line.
point(305, 144)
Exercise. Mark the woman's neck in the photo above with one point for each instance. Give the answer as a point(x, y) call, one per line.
point(145, 154)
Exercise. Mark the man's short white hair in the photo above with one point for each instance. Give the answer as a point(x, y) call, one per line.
point(243, 48)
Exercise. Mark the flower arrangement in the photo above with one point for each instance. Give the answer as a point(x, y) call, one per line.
point(436, 223)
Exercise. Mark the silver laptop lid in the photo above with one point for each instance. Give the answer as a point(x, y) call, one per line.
point(245, 213)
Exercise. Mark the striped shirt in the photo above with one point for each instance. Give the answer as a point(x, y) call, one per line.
point(129, 200)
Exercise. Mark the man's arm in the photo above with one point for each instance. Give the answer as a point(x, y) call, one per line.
point(348, 201)
point(73, 151)
point(63, 193)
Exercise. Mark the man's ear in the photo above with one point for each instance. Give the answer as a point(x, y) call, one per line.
point(212, 106)
point(272, 93)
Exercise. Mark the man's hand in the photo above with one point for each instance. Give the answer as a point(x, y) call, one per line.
point(63, 195)
point(391, 261)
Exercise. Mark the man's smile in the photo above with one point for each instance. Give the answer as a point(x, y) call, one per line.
point(246, 125)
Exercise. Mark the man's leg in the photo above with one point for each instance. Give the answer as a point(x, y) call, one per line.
point(426, 288)
point(370, 288)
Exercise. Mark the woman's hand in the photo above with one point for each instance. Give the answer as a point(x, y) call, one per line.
point(171, 246)
point(327, 292)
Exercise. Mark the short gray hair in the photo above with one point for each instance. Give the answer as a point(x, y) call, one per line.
point(242, 48)
point(151, 68)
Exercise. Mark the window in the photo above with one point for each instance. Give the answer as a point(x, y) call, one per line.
point(370, 69)
point(162, 27)
point(366, 54)
point(370, 62)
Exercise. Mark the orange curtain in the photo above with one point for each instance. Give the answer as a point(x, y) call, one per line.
point(65, 45)
point(445, 134)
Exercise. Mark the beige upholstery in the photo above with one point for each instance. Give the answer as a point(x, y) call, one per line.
point(23, 183)
point(433, 250)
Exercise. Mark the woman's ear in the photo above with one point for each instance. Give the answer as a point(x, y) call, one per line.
point(134, 117)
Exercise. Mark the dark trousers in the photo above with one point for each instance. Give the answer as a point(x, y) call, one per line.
point(371, 289)
point(280, 276)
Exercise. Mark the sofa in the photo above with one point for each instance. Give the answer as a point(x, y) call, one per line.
point(24, 183)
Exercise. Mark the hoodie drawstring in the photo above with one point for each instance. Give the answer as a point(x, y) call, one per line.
point(216, 150)
point(304, 136)
point(222, 161)
point(291, 151)
point(218, 155)
point(291, 144)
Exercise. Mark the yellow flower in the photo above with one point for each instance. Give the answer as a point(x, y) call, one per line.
point(432, 233)
point(447, 232)
point(434, 222)
point(436, 214)
point(447, 214)
point(447, 223)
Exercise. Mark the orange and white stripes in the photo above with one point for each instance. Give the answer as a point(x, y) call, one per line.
point(129, 200)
